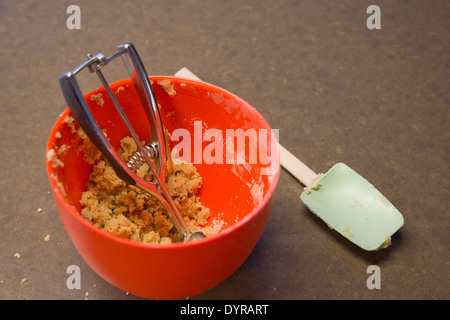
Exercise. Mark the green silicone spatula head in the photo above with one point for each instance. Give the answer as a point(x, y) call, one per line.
point(347, 202)
point(352, 206)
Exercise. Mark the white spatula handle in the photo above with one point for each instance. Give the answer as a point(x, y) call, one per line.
point(186, 73)
point(297, 168)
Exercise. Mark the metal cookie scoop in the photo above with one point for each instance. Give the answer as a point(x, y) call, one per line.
point(156, 150)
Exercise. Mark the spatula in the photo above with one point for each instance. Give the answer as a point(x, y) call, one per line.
point(343, 199)
point(347, 203)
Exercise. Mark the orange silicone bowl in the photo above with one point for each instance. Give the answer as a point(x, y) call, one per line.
point(237, 194)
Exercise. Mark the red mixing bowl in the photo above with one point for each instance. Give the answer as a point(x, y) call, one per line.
point(239, 194)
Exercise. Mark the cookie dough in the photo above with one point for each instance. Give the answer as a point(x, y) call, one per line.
point(129, 212)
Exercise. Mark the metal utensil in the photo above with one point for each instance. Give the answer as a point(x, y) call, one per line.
point(155, 150)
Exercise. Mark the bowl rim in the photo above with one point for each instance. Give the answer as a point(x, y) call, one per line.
point(173, 246)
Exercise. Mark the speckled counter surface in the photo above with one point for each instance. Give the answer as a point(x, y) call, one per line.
point(377, 100)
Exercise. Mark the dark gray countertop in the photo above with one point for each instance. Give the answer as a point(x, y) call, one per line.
point(377, 100)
